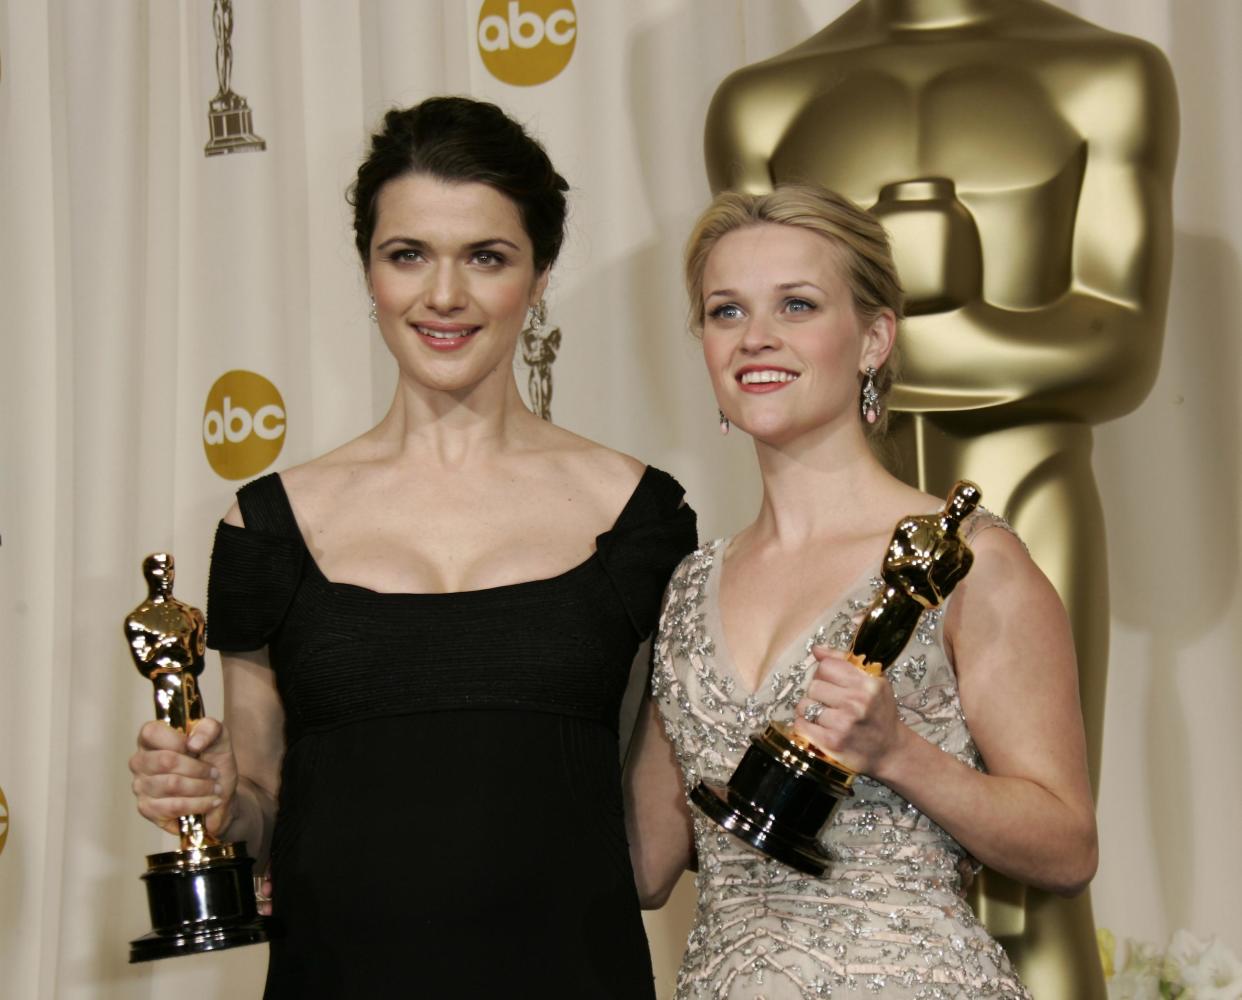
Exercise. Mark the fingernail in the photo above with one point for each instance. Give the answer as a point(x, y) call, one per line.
point(215, 774)
point(217, 789)
point(215, 802)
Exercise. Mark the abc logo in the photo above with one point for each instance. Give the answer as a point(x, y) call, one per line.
point(243, 424)
point(4, 820)
point(528, 42)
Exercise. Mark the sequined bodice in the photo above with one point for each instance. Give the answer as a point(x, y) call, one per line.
point(887, 917)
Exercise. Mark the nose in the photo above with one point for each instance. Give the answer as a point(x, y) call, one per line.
point(447, 293)
point(760, 335)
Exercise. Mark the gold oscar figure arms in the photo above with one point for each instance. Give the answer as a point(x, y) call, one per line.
point(926, 559)
point(166, 638)
point(1022, 159)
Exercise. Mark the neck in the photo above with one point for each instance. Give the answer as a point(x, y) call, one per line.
point(454, 428)
point(814, 490)
point(926, 15)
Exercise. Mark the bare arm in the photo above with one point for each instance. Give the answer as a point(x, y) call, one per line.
point(657, 817)
point(256, 722)
point(1030, 816)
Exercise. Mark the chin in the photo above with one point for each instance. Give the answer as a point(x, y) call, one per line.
point(770, 432)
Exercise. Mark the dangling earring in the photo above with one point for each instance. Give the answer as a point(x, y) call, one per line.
point(870, 396)
point(724, 422)
point(538, 315)
point(374, 312)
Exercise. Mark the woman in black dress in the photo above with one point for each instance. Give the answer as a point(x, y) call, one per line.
point(426, 633)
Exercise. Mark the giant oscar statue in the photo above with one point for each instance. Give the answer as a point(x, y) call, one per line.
point(1022, 160)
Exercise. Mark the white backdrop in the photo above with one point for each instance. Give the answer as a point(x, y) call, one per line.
point(134, 271)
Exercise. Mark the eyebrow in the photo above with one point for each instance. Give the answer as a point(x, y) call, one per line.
point(785, 286)
point(410, 241)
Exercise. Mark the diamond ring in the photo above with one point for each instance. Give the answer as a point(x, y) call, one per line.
point(812, 710)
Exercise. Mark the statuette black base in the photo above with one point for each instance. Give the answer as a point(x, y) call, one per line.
point(800, 789)
point(199, 901)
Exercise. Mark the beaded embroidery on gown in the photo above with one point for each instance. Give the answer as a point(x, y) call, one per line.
point(886, 918)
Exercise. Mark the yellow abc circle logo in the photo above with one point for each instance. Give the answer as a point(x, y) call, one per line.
point(243, 424)
point(527, 42)
point(4, 820)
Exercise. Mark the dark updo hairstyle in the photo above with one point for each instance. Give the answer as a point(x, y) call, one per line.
point(461, 140)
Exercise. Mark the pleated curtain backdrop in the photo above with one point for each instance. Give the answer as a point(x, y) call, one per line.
point(171, 321)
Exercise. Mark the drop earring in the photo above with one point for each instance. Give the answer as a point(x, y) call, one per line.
point(870, 402)
point(374, 314)
point(724, 422)
point(538, 315)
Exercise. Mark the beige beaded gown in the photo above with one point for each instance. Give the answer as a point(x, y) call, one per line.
point(887, 917)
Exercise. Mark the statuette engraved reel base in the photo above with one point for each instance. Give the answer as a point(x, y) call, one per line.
point(201, 897)
point(785, 790)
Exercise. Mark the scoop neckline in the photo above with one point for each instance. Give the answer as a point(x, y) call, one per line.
point(480, 592)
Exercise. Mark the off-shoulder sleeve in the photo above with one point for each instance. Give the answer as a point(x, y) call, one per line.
point(254, 572)
point(654, 533)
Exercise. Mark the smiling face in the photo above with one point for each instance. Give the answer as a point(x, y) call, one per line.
point(783, 342)
point(452, 273)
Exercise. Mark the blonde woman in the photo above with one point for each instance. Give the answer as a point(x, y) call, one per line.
point(971, 745)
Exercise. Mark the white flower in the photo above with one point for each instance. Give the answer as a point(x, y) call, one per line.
point(1134, 984)
point(1138, 978)
point(1207, 970)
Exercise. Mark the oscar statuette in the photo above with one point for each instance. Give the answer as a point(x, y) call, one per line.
point(228, 114)
point(785, 790)
point(201, 897)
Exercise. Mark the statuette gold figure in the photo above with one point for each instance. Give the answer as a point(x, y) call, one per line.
point(201, 897)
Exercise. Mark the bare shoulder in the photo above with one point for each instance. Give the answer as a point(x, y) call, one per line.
point(595, 469)
point(999, 553)
point(313, 483)
point(1004, 586)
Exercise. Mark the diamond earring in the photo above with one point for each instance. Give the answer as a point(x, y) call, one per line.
point(870, 402)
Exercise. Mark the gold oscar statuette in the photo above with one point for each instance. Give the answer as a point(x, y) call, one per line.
point(201, 897)
point(785, 790)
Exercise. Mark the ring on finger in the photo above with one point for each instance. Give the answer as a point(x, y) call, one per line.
point(812, 710)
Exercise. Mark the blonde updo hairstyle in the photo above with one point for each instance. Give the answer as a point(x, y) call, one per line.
point(862, 246)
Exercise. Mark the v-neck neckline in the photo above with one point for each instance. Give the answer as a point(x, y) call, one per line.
point(724, 651)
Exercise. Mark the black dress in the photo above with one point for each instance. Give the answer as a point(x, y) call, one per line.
point(450, 818)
